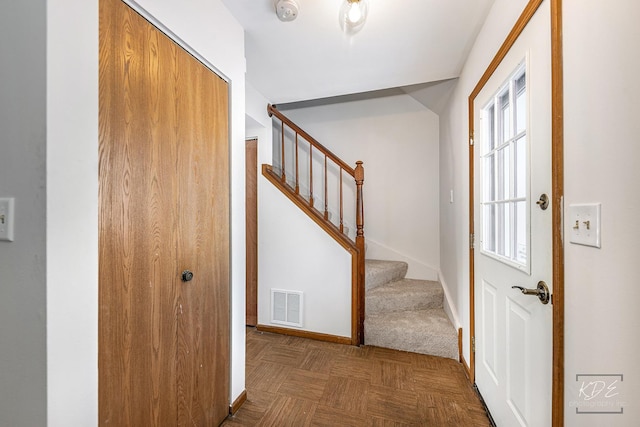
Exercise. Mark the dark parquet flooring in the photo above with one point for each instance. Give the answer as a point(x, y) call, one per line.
point(300, 382)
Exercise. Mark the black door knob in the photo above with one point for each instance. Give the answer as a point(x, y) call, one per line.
point(187, 276)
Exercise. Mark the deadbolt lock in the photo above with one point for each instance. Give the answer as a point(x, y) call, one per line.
point(543, 202)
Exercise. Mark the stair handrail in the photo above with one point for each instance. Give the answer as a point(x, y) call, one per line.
point(273, 111)
point(357, 172)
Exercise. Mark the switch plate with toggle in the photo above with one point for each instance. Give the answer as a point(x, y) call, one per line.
point(584, 222)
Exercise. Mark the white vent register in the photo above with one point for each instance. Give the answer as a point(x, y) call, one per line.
point(286, 307)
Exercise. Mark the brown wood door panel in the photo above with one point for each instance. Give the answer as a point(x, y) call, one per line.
point(251, 179)
point(164, 207)
point(203, 248)
point(133, 317)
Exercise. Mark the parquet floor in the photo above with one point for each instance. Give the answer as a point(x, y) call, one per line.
point(300, 382)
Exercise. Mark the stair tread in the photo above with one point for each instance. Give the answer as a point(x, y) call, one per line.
point(379, 272)
point(378, 264)
point(403, 295)
point(433, 316)
point(406, 314)
point(420, 331)
point(408, 285)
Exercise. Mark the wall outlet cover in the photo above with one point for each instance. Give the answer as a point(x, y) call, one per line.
point(7, 219)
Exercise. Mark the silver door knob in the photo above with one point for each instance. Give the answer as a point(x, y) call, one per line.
point(541, 291)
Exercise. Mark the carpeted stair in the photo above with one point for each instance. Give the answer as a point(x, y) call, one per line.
point(406, 314)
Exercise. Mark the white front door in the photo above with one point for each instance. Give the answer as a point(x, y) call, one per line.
point(513, 245)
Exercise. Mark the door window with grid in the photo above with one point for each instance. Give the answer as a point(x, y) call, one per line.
point(505, 210)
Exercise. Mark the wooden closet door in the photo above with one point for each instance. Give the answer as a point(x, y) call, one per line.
point(251, 230)
point(164, 208)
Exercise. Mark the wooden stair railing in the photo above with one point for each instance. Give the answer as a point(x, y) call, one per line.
point(290, 185)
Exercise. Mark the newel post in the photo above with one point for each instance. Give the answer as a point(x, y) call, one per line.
point(359, 178)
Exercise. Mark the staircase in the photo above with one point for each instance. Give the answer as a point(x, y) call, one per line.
point(388, 310)
point(406, 314)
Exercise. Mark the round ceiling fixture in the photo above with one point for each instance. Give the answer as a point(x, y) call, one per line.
point(353, 15)
point(287, 10)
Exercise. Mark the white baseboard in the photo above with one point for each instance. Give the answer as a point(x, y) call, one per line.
point(448, 307)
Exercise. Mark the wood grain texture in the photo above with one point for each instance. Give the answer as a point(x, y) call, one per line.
point(557, 183)
point(251, 206)
point(163, 197)
point(304, 334)
point(294, 381)
point(237, 404)
point(133, 253)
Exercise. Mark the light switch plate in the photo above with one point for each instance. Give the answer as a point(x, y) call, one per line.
point(6, 219)
point(584, 223)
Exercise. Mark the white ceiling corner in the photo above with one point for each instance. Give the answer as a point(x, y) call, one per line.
point(407, 44)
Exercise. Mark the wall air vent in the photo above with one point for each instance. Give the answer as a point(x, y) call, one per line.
point(286, 307)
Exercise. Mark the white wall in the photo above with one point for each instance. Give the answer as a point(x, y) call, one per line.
point(23, 393)
point(72, 212)
point(602, 153)
point(293, 252)
point(601, 156)
point(258, 125)
point(397, 139)
point(454, 160)
point(72, 189)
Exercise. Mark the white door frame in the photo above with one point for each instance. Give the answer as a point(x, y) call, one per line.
point(557, 183)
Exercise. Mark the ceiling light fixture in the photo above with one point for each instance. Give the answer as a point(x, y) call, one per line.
point(287, 10)
point(353, 14)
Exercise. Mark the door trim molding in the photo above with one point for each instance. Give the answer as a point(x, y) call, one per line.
point(251, 227)
point(557, 184)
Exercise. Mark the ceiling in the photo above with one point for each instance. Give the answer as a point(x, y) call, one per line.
point(410, 45)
